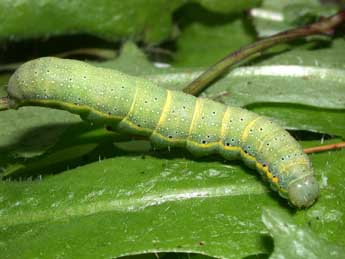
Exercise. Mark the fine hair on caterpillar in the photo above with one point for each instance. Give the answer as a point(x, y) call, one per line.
point(169, 119)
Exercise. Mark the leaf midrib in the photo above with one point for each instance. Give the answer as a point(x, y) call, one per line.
point(130, 204)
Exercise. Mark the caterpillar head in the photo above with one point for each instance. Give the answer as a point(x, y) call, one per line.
point(303, 192)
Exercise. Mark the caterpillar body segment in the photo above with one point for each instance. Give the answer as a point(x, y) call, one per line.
point(169, 119)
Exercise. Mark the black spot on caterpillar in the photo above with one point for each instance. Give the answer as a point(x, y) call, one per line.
point(168, 118)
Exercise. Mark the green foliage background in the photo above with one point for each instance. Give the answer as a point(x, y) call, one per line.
point(70, 190)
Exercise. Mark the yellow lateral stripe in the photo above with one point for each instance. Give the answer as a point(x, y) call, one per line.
point(246, 129)
point(73, 106)
point(166, 107)
point(132, 105)
point(231, 148)
point(261, 167)
point(264, 169)
point(196, 112)
point(246, 155)
point(225, 121)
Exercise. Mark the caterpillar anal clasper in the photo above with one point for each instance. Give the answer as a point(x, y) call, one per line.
point(169, 119)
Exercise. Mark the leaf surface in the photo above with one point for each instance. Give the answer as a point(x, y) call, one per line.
point(154, 205)
point(294, 241)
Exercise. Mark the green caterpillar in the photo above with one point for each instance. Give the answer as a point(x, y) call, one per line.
point(168, 118)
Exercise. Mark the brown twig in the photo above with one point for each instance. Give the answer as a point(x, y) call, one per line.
point(324, 26)
point(95, 52)
point(4, 104)
point(324, 148)
point(9, 67)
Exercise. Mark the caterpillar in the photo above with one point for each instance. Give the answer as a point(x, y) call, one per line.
point(169, 119)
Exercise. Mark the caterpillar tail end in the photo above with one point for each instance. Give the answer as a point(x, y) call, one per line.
point(303, 192)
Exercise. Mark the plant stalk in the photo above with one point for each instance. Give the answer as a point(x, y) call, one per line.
point(4, 105)
point(324, 148)
point(324, 26)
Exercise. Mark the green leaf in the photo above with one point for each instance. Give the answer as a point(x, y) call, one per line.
point(207, 37)
point(31, 130)
point(277, 16)
point(79, 144)
point(131, 61)
point(150, 21)
point(228, 6)
point(134, 204)
point(150, 206)
point(109, 19)
point(295, 76)
point(293, 241)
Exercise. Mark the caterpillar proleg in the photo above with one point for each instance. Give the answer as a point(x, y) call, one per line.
point(169, 119)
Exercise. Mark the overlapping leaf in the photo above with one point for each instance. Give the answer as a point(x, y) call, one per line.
point(112, 20)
